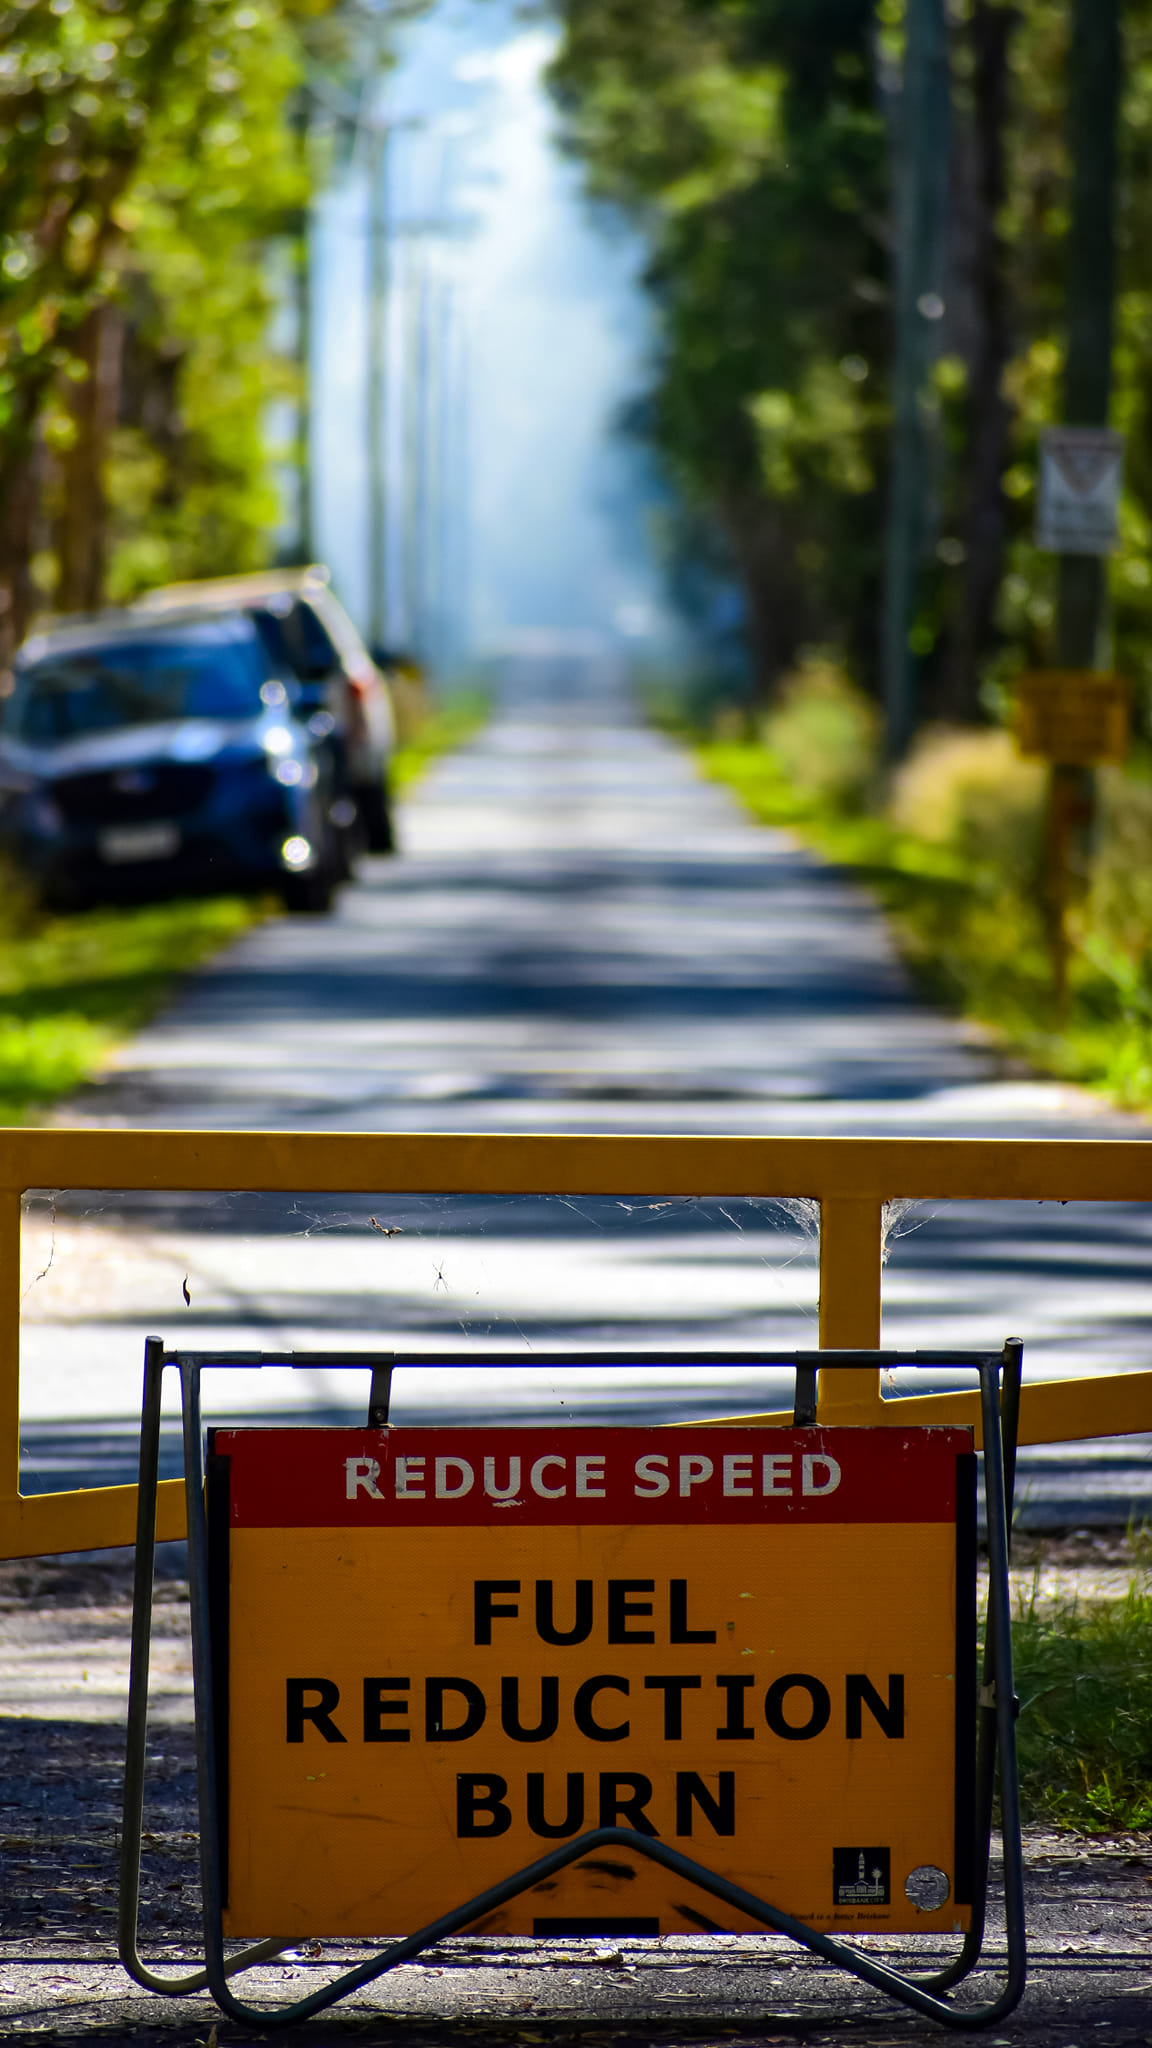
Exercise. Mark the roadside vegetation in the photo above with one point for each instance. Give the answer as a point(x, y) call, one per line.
point(71, 986)
point(156, 168)
point(1084, 1677)
point(753, 144)
point(952, 845)
point(445, 724)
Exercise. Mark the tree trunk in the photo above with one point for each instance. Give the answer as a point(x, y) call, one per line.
point(20, 482)
point(983, 525)
point(920, 188)
point(82, 526)
point(757, 530)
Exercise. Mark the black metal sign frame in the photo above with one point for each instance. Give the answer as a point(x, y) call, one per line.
point(999, 1376)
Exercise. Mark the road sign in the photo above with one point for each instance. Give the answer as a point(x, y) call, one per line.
point(1073, 717)
point(1078, 506)
point(440, 1653)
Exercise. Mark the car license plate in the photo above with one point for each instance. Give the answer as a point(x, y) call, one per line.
point(123, 843)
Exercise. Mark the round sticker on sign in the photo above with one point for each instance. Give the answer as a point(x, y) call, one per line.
point(927, 1887)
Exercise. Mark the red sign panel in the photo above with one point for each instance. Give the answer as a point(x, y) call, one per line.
point(444, 1478)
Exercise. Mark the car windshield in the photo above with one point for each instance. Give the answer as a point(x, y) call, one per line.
point(78, 691)
point(296, 640)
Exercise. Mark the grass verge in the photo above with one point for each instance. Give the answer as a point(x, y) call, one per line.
point(1084, 1677)
point(973, 943)
point(70, 987)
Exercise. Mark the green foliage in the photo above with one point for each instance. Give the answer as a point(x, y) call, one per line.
point(819, 433)
point(104, 113)
point(1084, 1676)
point(970, 792)
point(745, 136)
point(825, 735)
point(1035, 224)
point(748, 138)
point(221, 177)
point(77, 84)
point(46, 1057)
point(150, 158)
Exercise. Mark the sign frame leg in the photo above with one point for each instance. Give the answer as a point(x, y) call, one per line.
point(999, 1377)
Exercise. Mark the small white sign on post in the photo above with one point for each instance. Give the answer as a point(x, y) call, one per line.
point(1080, 475)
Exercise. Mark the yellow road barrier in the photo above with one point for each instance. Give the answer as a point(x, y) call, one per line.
point(851, 1178)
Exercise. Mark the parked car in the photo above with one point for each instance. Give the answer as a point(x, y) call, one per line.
point(306, 629)
point(145, 755)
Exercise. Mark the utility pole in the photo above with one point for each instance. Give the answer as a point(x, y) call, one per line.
point(458, 480)
point(921, 193)
point(415, 287)
point(1090, 289)
point(377, 421)
point(302, 283)
point(379, 132)
point(449, 498)
point(433, 461)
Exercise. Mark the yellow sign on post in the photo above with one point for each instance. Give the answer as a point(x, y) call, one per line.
point(1072, 717)
point(441, 1652)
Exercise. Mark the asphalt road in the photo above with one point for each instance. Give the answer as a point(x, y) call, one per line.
point(580, 934)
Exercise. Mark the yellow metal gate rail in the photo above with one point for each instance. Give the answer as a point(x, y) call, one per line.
point(851, 1178)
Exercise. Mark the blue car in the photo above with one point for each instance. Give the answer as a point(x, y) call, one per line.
point(148, 758)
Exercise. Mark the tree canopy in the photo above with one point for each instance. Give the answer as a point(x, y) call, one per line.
point(151, 154)
point(753, 141)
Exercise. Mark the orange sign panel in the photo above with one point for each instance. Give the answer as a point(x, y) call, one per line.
point(441, 1652)
point(1071, 717)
